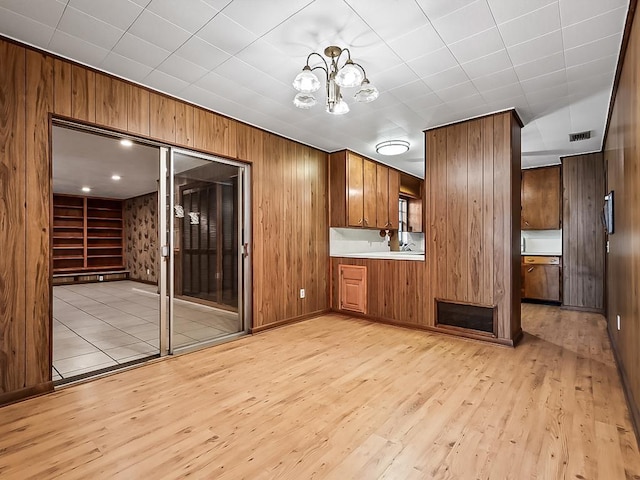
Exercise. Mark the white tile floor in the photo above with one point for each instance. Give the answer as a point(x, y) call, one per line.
point(100, 325)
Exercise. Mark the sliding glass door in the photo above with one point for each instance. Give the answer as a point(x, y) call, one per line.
point(205, 230)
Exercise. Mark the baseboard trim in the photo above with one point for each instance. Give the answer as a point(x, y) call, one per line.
point(24, 393)
point(628, 395)
point(289, 321)
point(583, 309)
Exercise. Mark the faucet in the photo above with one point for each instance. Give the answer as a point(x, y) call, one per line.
point(407, 247)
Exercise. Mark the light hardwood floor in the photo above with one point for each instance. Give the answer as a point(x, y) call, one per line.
point(334, 397)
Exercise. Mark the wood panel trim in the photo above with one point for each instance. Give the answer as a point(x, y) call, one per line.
point(513, 111)
point(289, 321)
point(24, 393)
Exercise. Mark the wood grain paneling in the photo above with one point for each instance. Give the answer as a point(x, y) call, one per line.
point(12, 218)
point(394, 198)
point(382, 196)
point(338, 189)
point(622, 163)
point(162, 121)
point(83, 94)
point(472, 179)
point(289, 198)
point(38, 195)
point(583, 237)
point(369, 178)
point(138, 110)
point(541, 199)
point(111, 102)
point(62, 84)
point(355, 182)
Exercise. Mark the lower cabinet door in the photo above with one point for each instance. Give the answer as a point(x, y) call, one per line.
point(542, 282)
point(353, 288)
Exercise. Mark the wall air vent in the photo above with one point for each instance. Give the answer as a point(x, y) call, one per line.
point(576, 137)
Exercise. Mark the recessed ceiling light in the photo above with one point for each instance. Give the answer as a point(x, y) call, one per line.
point(392, 147)
point(125, 142)
point(115, 177)
point(86, 189)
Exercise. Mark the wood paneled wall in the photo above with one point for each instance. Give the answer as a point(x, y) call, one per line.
point(395, 291)
point(622, 161)
point(583, 237)
point(473, 217)
point(289, 200)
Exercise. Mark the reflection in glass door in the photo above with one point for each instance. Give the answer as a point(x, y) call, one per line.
point(205, 233)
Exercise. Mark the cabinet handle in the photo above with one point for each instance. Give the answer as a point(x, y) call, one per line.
point(530, 269)
point(526, 223)
point(360, 222)
point(366, 222)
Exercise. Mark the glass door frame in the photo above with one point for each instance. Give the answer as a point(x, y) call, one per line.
point(166, 234)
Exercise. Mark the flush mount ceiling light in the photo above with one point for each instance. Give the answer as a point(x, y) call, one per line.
point(125, 142)
point(392, 147)
point(349, 75)
point(86, 189)
point(115, 177)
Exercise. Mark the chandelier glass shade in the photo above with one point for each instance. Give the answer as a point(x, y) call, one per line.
point(349, 75)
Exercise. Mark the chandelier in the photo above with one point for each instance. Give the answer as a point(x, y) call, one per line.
point(349, 75)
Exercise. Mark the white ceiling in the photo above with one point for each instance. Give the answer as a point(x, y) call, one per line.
point(434, 61)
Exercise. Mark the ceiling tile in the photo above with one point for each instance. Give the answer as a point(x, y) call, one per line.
point(165, 83)
point(119, 13)
point(505, 10)
point(494, 62)
point(537, 48)
point(591, 51)
point(587, 86)
point(477, 46)
point(180, 68)
point(79, 24)
point(496, 80)
point(595, 28)
point(409, 91)
point(541, 66)
point(424, 102)
point(593, 68)
point(589, 113)
point(393, 77)
point(191, 15)
point(417, 43)
point(433, 62)
point(530, 26)
point(140, 50)
point(448, 78)
point(47, 12)
point(202, 53)
point(263, 16)
point(544, 81)
point(376, 13)
point(226, 34)
point(510, 91)
point(473, 18)
point(552, 95)
point(440, 9)
point(125, 67)
point(457, 92)
point(158, 31)
point(574, 11)
point(25, 29)
point(77, 49)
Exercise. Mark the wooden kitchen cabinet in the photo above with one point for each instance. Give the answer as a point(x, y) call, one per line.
point(541, 279)
point(541, 199)
point(353, 288)
point(362, 193)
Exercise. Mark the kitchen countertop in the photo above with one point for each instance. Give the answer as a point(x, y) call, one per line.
point(541, 254)
point(410, 255)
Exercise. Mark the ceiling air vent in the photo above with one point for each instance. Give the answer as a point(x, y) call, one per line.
point(576, 137)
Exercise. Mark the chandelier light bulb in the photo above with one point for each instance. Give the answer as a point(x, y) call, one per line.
point(339, 108)
point(306, 81)
point(366, 93)
point(304, 100)
point(349, 76)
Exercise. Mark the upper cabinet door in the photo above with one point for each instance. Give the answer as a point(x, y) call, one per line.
point(541, 199)
point(370, 187)
point(394, 199)
point(382, 203)
point(355, 217)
